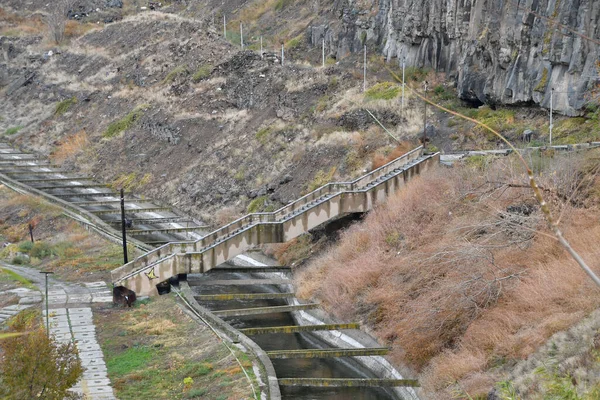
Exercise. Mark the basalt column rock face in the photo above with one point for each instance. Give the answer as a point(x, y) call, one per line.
point(497, 52)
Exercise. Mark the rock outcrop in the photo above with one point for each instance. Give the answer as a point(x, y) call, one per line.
point(497, 51)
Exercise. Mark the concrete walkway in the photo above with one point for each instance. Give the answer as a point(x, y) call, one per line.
point(70, 320)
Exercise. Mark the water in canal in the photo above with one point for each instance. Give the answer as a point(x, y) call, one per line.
point(297, 368)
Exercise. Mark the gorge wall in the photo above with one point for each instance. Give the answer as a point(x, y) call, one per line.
point(496, 51)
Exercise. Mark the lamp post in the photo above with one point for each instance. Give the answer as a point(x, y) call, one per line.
point(125, 261)
point(47, 316)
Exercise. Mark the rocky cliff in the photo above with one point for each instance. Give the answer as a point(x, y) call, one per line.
point(497, 51)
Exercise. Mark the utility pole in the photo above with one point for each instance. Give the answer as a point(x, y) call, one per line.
point(123, 227)
point(403, 68)
point(365, 70)
point(224, 26)
point(551, 111)
point(31, 233)
point(425, 116)
point(323, 52)
point(47, 316)
point(242, 36)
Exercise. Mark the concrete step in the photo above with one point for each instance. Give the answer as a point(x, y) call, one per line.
point(264, 310)
point(243, 296)
point(328, 353)
point(347, 382)
point(240, 282)
point(298, 328)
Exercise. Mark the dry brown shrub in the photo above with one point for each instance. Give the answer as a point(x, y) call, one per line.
point(455, 272)
point(75, 29)
point(70, 147)
point(380, 160)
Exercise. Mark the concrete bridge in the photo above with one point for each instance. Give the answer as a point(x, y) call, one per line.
point(324, 204)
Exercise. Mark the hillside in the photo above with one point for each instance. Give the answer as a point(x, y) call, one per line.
point(457, 274)
point(160, 103)
point(461, 276)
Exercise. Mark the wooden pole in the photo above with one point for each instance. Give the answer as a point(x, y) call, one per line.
point(125, 260)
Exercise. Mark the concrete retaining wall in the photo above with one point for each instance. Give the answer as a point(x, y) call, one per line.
point(271, 389)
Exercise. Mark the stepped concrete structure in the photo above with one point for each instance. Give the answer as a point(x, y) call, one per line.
point(325, 204)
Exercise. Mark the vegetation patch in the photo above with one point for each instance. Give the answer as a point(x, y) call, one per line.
point(449, 319)
point(70, 147)
point(131, 182)
point(61, 245)
point(541, 86)
point(383, 91)
point(13, 130)
point(64, 106)
point(176, 73)
point(263, 134)
point(203, 72)
point(294, 42)
point(7, 275)
point(321, 178)
point(156, 351)
point(34, 363)
point(281, 4)
point(258, 204)
point(126, 122)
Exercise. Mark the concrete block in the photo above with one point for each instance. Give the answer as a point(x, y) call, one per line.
point(55, 311)
point(91, 354)
point(96, 382)
point(102, 299)
point(88, 347)
point(83, 310)
point(84, 335)
point(88, 362)
point(100, 390)
point(60, 330)
point(99, 284)
point(95, 369)
point(80, 298)
point(94, 375)
point(30, 300)
point(84, 328)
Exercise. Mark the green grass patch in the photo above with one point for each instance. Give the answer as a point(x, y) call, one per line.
point(130, 182)
point(541, 86)
point(126, 122)
point(130, 360)
point(257, 204)
point(176, 73)
point(383, 91)
point(203, 72)
point(195, 370)
point(195, 393)
point(8, 275)
point(13, 130)
point(294, 42)
point(321, 178)
point(281, 4)
point(442, 93)
point(64, 106)
point(263, 134)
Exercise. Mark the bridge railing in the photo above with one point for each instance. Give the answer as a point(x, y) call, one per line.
point(210, 244)
point(256, 218)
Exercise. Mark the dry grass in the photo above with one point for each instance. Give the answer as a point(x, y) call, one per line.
point(70, 147)
point(455, 280)
point(382, 159)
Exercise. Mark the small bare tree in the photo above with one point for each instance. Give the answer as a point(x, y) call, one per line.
point(56, 19)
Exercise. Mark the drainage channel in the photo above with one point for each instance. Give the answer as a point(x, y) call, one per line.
point(260, 304)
